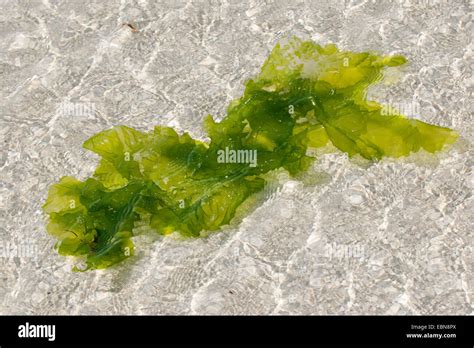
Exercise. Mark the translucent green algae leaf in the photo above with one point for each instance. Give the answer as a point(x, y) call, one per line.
point(305, 97)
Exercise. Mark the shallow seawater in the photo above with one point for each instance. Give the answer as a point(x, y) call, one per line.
point(394, 237)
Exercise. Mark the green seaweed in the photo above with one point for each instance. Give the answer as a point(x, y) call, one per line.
point(305, 97)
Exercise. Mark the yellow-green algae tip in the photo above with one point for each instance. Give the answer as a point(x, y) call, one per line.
point(305, 96)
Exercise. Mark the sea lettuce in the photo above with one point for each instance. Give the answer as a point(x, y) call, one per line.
point(306, 96)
